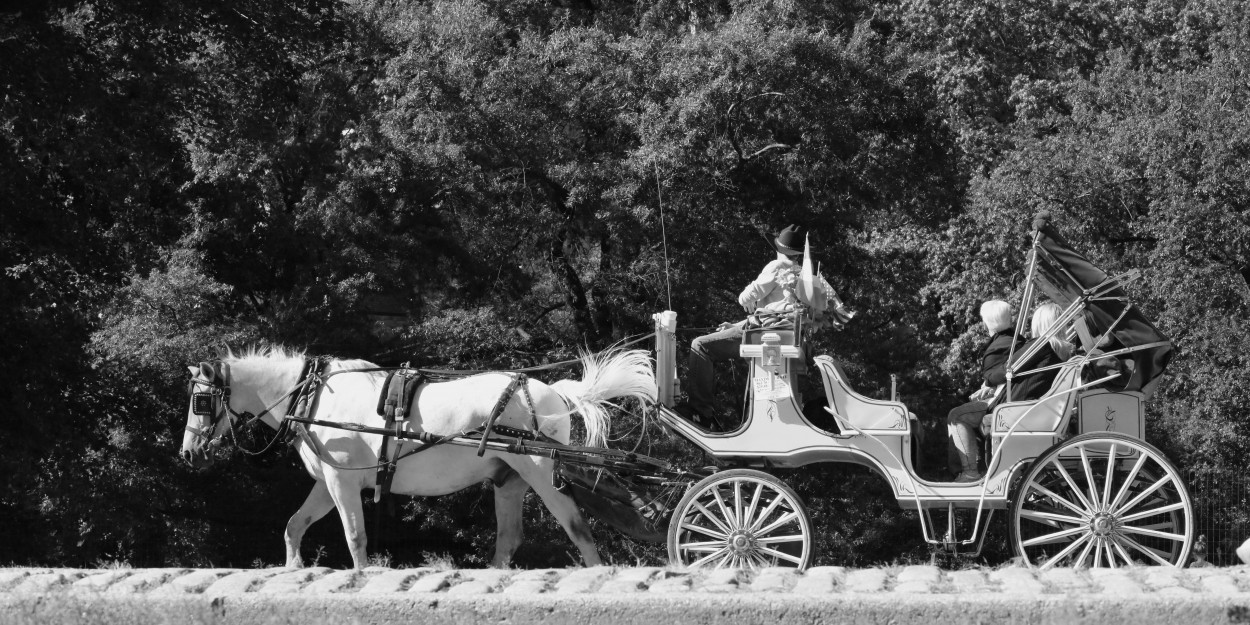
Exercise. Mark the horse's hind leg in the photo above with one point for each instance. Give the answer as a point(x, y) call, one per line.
point(564, 509)
point(509, 512)
point(315, 506)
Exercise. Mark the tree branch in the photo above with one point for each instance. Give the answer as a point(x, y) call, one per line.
point(731, 125)
point(770, 147)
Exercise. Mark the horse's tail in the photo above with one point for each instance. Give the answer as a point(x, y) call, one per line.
point(606, 376)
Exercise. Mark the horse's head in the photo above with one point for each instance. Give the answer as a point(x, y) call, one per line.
point(208, 413)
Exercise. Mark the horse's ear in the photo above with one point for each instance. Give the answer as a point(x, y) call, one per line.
point(206, 370)
point(193, 370)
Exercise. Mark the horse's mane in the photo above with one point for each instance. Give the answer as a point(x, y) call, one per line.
point(262, 352)
point(277, 353)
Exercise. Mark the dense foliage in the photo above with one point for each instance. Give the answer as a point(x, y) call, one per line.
point(498, 183)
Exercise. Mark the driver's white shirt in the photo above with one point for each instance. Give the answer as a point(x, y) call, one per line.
point(773, 289)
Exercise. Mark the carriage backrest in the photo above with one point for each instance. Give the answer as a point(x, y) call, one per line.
point(1048, 414)
point(857, 410)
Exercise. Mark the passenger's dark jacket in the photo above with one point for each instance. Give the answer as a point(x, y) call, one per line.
point(994, 360)
point(1029, 387)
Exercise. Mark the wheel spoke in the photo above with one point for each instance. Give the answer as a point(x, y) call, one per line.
point(1144, 494)
point(1153, 511)
point(749, 519)
point(1128, 483)
point(784, 556)
point(785, 518)
point(758, 561)
point(1106, 487)
point(1151, 553)
point(1076, 490)
point(1162, 526)
point(709, 558)
point(686, 525)
point(1089, 546)
point(1106, 547)
point(1148, 532)
point(1067, 550)
point(711, 517)
point(772, 540)
point(1119, 548)
point(1055, 537)
point(1039, 516)
point(1059, 499)
point(724, 509)
point(768, 510)
point(705, 546)
point(740, 519)
point(1090, 483)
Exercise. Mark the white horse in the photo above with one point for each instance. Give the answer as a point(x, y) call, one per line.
point(262, 379)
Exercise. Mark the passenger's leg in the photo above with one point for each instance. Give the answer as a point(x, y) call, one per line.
point(963, 454)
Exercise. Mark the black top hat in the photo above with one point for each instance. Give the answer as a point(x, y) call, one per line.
point(791, 240)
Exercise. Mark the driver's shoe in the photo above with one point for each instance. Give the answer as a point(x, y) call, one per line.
point(694, 416)
point(965, 476)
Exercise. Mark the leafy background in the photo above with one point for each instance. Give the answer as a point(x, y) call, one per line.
point(479, 183)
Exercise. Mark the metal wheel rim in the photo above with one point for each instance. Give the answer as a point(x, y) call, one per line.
point(743, 522)
point(1067, 513)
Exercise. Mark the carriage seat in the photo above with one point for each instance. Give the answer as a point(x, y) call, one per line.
point(858, 411)
point(1049, 414)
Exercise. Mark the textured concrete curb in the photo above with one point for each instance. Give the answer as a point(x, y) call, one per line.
point(912, 594)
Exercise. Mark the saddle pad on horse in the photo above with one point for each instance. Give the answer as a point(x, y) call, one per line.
point(397, 395)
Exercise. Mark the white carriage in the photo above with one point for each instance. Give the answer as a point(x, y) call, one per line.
point(1079, 483)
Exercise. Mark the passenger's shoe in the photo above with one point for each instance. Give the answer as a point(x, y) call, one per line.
point(965, 477)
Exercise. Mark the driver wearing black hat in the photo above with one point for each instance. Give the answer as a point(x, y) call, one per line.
point(776, 290)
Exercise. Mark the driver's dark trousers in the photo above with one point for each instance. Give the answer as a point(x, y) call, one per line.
point(700, 380)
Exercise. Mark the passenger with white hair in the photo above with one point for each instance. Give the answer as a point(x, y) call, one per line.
point(963, 422)
point(1057, 350)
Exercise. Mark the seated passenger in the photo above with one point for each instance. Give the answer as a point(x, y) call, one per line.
point(775, 290)
point(964, 422)
point(1056, 351)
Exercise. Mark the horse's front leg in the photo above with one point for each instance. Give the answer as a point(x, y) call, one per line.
point(315, 506)
point(346, 496)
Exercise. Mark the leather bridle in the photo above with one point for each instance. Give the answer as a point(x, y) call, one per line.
point(214, 401)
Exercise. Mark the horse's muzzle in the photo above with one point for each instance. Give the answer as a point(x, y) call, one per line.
point(196, 459)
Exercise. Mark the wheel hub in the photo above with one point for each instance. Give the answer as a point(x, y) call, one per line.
point(741, 543)
point(1102, 524)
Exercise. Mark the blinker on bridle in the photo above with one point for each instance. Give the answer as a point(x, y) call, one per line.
point(202, 404)
point(204, 397)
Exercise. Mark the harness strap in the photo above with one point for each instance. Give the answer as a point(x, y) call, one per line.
point(396, 399)
point(517, 380)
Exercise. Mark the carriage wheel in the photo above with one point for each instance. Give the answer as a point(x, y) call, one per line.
point(1102, 500)
point(740, 519)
